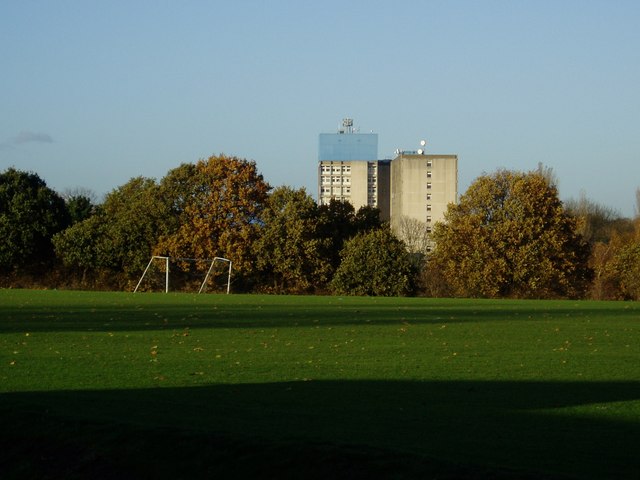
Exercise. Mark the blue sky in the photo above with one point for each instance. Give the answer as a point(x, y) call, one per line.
point(94, 93)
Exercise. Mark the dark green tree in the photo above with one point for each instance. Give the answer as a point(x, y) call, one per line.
point(289, 248)
point(120, 236)
point(80, 208)
point(374, 262)
point(338, 221)
point(510, 236)
point(81, 203)
point(81, 246)
point(30, 214)
point(176, 191)
point(367, 218)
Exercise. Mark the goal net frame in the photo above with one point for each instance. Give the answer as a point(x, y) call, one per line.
point(206, 277)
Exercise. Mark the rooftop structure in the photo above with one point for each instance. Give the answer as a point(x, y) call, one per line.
point(348, 144)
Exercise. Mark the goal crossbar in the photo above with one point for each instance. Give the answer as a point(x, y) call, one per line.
point(204, 282)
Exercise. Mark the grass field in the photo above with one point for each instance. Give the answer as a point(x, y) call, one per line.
point(118, 385)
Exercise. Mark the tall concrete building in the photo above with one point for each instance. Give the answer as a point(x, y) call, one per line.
point(349, 169)
point(414, 185)
point(422, 186)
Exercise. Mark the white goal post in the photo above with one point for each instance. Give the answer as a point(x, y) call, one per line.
point(204, 282)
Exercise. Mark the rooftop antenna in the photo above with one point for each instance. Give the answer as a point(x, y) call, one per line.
point(347, 125)
point(423, 145)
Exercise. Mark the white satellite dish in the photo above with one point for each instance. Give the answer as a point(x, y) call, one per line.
point(423, 143)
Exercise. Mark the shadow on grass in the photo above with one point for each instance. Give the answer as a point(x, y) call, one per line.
point(328, 429)
point(249, 312)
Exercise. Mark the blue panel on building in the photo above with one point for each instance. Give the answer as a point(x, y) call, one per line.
point(348, 146)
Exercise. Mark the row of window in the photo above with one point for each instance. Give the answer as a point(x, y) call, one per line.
point(372, 185)
point(336, 168)
point(327, 180)
point(340, 179)
point(330, 190)
point(372, 192)
point(372, 168)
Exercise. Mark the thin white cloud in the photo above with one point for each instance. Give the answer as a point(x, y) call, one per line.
point(25, 137)
point(29, 137)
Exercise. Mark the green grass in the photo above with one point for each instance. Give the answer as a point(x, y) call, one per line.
point(115, 384)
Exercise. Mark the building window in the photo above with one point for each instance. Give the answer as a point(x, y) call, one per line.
point(429, 163)
point(429, 174)
point(429, 186)
point(428, 218)
point(428, 196)
point(429, 207)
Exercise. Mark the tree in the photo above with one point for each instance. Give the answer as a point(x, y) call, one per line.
point(595, 222)
point(509, 236)
point(374, 263)
point(120, 235)
point(607, 234)
point(216, 206)
point(338, 221)
point(80, 208)
point(367, 218)
point(617, 266)
point(335, 225)
point(627, 265)
point(30, 214)
point(548, 174)
point(176, 190)
point(415, 234)
point(79, 246)
point(81, 203)
point(289, 249)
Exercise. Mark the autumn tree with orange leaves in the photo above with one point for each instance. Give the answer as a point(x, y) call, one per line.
point(509, 236)
point(216, 207)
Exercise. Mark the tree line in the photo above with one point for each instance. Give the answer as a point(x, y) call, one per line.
point(508, 236)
